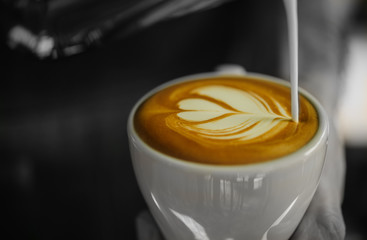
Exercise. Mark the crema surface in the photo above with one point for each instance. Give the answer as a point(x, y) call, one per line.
point(225, 120)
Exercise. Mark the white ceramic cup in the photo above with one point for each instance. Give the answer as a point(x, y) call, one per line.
point(262, 201)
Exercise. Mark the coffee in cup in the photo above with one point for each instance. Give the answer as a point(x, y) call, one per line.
point(225, 120)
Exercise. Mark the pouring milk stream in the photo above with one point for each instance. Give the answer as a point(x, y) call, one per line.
point(291, 11)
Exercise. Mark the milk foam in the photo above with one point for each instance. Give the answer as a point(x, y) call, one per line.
point(241, 115)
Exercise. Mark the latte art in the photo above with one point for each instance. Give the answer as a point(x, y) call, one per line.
point(224, 120)
point(227, 114)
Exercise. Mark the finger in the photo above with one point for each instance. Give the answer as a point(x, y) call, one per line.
point(199, 6)
point(163, 12)
point(178, 8)
point(146, 227)
point(323, 219)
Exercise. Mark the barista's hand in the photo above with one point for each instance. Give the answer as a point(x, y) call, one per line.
point(323, 219)
point(176, 8)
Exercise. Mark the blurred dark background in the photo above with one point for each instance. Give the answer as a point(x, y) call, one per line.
point(65, 170)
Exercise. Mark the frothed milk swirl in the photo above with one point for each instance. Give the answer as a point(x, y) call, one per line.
point(225, 120)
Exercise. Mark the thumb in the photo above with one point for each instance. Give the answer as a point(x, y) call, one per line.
point(146, 227)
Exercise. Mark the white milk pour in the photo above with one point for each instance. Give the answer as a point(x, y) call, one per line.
point(291, 11)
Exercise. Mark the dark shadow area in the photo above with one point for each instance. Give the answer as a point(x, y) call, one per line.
point(355, 198)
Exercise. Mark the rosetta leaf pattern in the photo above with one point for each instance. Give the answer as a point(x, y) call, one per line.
point(226, 113)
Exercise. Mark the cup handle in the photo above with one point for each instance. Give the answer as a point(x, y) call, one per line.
point(232, 69)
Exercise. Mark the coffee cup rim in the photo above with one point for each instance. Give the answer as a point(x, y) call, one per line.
point(274, 163)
